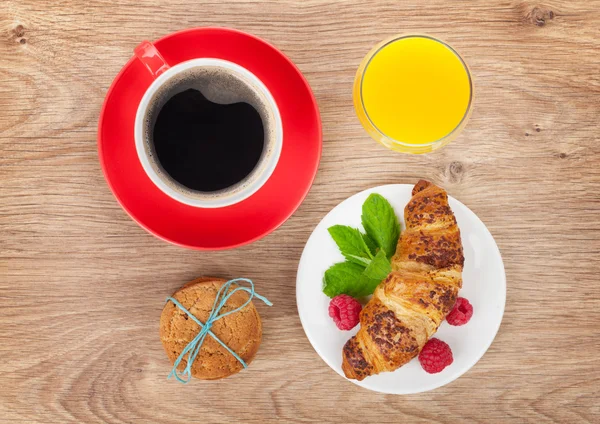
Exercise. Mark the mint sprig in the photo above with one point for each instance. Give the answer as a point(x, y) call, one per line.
point(367, 255)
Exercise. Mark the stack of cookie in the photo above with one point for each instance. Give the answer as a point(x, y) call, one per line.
point(241, 331)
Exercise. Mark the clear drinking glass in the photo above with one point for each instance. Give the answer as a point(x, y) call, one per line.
point(413, 93)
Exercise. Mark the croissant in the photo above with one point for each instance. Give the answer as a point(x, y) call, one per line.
point(410, 304)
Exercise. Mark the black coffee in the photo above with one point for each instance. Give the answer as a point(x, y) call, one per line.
point(207, 146)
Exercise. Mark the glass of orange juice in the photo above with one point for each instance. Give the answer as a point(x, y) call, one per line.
point(413, 93)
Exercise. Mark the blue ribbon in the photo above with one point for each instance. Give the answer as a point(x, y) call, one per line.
point(193, 347)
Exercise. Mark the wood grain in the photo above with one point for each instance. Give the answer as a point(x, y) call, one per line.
point(82, 286)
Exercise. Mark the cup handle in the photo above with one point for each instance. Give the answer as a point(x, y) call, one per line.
point(151, 58)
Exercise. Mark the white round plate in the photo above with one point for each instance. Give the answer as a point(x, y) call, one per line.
point(484, 285)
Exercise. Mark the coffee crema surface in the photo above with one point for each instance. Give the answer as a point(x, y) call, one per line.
point(207, 146)
point(208, 131)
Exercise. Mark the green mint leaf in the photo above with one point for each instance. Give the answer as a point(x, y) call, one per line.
point(350, 241)
point(341, 278)
point(379, 268)
point(381, 223)
point(370, 244)
point(347, 278)
point(358, 260)
point(366, 286)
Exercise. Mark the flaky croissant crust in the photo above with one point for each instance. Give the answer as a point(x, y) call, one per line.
point(410, 304)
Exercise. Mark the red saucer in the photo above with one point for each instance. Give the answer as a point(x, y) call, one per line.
point(233, 225)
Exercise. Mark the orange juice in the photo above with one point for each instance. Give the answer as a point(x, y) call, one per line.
point(413, 93)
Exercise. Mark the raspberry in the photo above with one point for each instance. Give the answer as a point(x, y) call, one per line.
point(344, 310)
point(435, 356)
point(461, 313)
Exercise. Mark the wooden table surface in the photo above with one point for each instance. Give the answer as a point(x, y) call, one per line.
point(82, 286)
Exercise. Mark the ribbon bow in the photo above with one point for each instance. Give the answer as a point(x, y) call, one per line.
point(193, 347)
